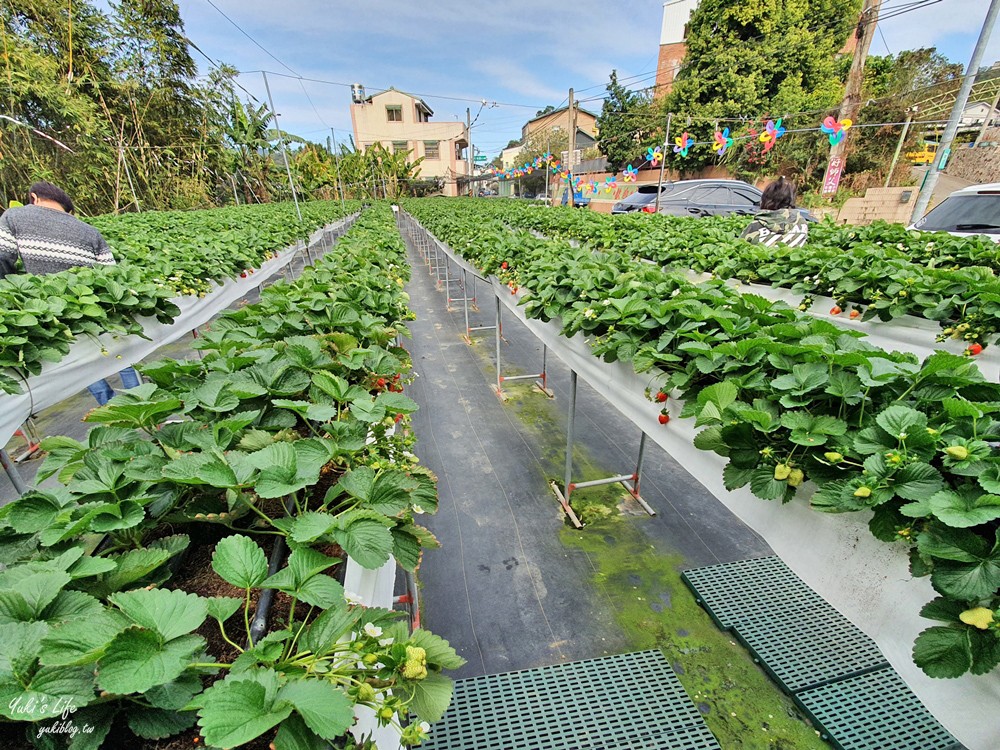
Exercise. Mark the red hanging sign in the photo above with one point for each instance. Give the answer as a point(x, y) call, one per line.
point(834, 170)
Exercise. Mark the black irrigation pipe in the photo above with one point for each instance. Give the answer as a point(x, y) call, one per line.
point(278, 553)
point(280, 550)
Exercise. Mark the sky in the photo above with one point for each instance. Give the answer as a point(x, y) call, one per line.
point(517, 55)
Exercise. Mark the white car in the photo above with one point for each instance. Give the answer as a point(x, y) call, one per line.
point(971, 210)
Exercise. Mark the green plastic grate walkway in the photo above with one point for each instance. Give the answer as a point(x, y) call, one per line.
point(875, 711)
point(835, 672)
point(626, 701)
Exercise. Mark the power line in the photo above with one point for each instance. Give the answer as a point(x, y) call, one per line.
point(258, 44)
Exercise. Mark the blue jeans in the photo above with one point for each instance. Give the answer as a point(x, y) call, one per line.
point(102, 391)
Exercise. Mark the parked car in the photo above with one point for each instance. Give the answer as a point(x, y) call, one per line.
point(694, 198)
point(971, 210)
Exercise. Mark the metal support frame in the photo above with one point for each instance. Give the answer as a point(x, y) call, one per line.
point(8, 465)
point(32, 440)
point(541, 378)
point(629, 481)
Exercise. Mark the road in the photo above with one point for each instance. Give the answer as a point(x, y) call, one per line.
point(946, 184)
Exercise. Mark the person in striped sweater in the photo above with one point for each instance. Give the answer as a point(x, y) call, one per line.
point(44, 237)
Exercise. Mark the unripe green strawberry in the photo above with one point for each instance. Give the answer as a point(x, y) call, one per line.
point(781, 472)
point(369, 659)
point(366, 693)
point(958, 452)
point(385, 713)
point(833, 457)
point(863, 492)
point(795, 478)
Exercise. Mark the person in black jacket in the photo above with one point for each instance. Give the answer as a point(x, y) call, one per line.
point(779, 222)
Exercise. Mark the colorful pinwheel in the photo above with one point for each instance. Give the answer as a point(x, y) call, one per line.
point(595, 187)
point(630, 173)
point(683, 144)
point(654, 155)
point(836, 129)
point(772, 132)
point(722, 142)
point(610, 183)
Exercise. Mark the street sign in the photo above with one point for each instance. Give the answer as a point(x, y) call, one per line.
point(482, 159)
point(833, 172)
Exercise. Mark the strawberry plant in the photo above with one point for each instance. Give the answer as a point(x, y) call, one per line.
point(794, 402)
point(284, 431)
point(883, 269)
point(162, 256)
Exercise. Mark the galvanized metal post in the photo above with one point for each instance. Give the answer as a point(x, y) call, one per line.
point(19, 486)
point(899, 146)
point(663, 163)
point(499, 335)
point(950, 130)
point(570, 425)
point(465, 299)
point(281, 143)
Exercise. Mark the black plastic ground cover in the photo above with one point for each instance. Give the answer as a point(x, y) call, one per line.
point(835, 672)
point(503, 588)
point(875, 711)
point(626, 701)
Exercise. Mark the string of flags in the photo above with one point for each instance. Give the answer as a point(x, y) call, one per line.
point(721, 142)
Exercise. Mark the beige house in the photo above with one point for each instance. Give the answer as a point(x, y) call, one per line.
point(558, 120)
point(402, 122)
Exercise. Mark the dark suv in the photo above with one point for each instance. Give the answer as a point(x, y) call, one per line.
point(694, 198)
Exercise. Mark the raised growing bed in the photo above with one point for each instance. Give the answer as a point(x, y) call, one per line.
point(287, 434)
point(785, 401)
point(163, 256)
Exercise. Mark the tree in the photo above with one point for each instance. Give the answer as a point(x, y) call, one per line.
point(892, 85)
point(548, 108)
point(536, 145)
point(753, 61)
point(250, 149)
point(627, 124)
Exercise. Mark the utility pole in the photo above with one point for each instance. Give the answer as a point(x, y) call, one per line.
point(989, 118)
point(571, 153)
point(468, 148)
point(851, 105)
point(281, 143)
point(899, 146)
point(336, 160)
point(944, 150)
point(663, 163)
point(548, 150)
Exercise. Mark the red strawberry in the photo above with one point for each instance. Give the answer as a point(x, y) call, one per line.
point(664, 418)
point(243, 275)
point(380, 382)
point(855, 314)
point(504, 265)
point(661, 397)
point(399, 418)
point(835, 310)
point(975, 349)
